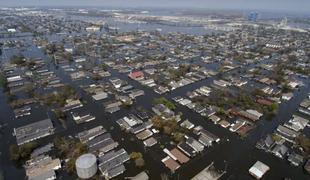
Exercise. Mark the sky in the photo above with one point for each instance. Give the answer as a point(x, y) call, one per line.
point(276, 5)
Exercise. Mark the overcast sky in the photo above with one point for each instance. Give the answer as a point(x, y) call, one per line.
point(279, 5)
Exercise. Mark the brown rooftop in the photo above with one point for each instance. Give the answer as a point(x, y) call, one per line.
point(170, 163)
point(179, 155)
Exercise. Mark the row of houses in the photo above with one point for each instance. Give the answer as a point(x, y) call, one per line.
point(101, 143)
point(141, 129)
point(281, 142)
point(42, 167)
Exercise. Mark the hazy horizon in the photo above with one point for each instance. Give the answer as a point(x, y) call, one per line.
point(298, 6)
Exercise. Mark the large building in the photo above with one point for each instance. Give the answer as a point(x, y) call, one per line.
point(33, 131)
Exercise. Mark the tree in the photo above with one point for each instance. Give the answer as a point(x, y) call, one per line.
point(18, 59)
point(138, 158)
point(139, 162)
point(19, 154)
point(3, 81)
point(164, 101)
point(104, 67)
point(304, 142)
point(178, 137)
point(69, 149)
point(135, 155)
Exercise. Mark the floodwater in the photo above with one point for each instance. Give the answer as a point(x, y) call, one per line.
point(233, 154)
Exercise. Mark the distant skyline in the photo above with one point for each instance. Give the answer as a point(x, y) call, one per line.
point(301, 6)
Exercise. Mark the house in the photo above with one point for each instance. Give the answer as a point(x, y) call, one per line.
point(207, 138)
point(264, 102)
point(237, 125)
point(82, 118)
point(98, 139)
point(161, 89)
point(150, 71)
point(77, 75)
point(280, 150)
point(102, 144)
point(305, 103)
point(179, 156)
point(251, 115)
point(11, 30)
point(92, 29)
point(72, 104)
point(304, 111)
point(162, 110)
point(142, 115)
point(116, 82)
point(287, 96)
point(187, 124)
point(259, 169)
point(293, 84)
point(287, 133)
point(14, 78)
point(208, 112)
point(191, 105)
point(238, 82)
point(141, 176)
point(295, 159)
point(42, 167)
point(41, 150)
point(170, 163)
point(199, 109)
point(185, 102)
point(126, 88)
point(255, 113)
point(136, 93)
point(23, 111)
point(307, 166)
point(177, 98)
point(267, 90)
point(186, 149)
point(224, 123)
point(204, 90)
point(269, 142)
point(112, 106)
point(266, 144)
point(148, 82)
point(215, 119)
point(144, 134)
point(136, 75)
point(123, 124)
point(90, 134)
point(48, 175)
point(80, 59)
point(209, 173)
point(33, 131)
point(111, 163)
point(100, 96)
point(297, 123)
point(221, 83)
point(150, 142)
point(197, 146)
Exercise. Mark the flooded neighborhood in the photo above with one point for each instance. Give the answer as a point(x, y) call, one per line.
point(90, 93)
